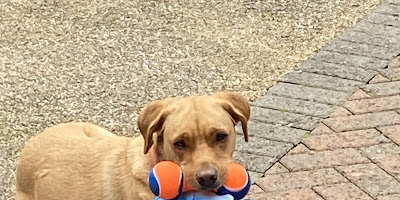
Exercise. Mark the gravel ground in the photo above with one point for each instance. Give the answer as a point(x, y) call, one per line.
point(101, 61)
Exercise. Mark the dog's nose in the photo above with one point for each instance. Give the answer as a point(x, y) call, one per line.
point(207, 177)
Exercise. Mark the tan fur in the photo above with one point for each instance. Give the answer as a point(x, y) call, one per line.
point(86, 162)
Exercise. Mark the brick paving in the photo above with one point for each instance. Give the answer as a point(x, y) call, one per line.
point(331, 128)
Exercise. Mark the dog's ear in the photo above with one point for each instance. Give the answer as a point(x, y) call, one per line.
point(151, 120)
point(237, 106)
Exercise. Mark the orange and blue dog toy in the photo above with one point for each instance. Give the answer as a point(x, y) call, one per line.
point(166, 181)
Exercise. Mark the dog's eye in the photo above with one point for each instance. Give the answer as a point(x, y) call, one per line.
point(180, 144)
point(221, 137)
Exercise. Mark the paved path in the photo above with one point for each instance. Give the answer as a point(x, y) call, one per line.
point(331, 129)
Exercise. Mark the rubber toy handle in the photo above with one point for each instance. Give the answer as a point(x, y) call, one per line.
point(200, 196)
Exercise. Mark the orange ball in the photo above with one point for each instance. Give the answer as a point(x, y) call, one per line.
point(166, 180)
point(237, 182)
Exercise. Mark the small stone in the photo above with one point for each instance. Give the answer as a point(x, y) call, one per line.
point(340, 112)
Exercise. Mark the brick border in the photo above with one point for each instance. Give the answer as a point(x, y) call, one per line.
point(292, 108)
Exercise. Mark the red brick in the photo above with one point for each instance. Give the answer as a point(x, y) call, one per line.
point(340, 112)
point(387, 156)
point(345, 140)
point(391, 164)
point(359, 94)
point(277, 168)
point(299, 180)
point(298, 194)
point(256, 192)
point(373, 105)
point(300, 148)
point(321, 129)
point(342, 191)
point(371, 179)
point(392, 132)
point(324, 159)
point(364, 121)
point(378, 79)
point(381, 150)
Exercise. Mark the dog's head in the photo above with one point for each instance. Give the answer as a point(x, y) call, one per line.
point(197, 133)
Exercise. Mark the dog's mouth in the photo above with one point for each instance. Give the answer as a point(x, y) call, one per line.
point(211, 187)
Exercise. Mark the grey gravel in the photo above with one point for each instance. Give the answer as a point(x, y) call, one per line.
point(101, 61)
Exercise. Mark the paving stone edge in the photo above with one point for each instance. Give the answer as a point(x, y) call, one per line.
point(321, 84)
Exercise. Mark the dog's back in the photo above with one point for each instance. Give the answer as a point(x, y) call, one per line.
point(69, 161)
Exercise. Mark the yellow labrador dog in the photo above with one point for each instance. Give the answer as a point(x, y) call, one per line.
point(82, 161)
